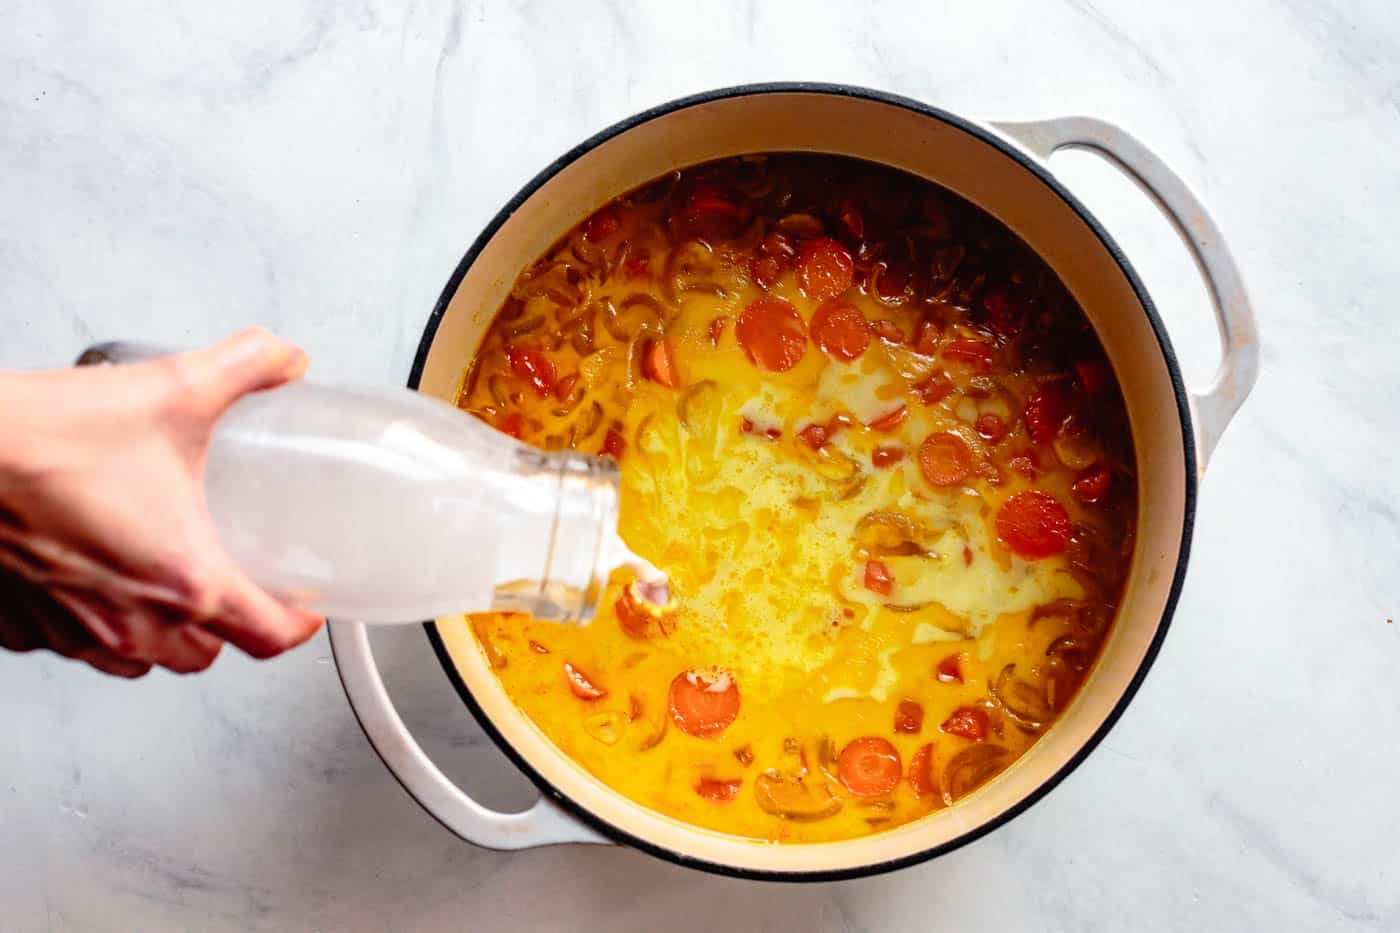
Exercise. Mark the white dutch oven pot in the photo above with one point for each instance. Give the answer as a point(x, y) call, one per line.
point(1002, 169)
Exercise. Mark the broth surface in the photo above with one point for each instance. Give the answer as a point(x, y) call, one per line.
point(877, 449)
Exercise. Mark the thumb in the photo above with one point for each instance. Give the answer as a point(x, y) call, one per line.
point(248, 361)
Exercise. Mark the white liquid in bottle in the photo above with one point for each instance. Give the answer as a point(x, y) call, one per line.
point(383, 505)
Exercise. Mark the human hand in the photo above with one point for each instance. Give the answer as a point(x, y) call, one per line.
point(107, 550)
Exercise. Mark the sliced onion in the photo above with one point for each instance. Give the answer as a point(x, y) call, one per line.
point(653, 738)
point(1021, 701)
point(912, 367)
point(583, 336)
point(971, 768)
point(1071, 650)
point(606, 727)
point(698, 406)
point(801, 225)
point(634, 315)
point(827, 757)
point(794, 799)
point(589, 422)
point(887, 533)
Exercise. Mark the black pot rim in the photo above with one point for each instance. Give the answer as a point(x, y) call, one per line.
point(1188, 445)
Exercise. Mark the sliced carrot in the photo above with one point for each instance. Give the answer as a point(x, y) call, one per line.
point(869, 766)
point(772, 259)
point(991, 426)
point(840, 330)
point(766, 270)
point(934, 389)
point(889, 420)
point(1046, 409)
point(815, 435)
point(614, 444)
point(969, 722)
point(878, 578)
point(601, 225)
point(908, 717)
point(658, 364)
point(704, 702)
point(1033, 524)
point(512, 424)
point(888, 331)
point(923, 780)
point(886, 456)
point(772, 334)
point(1091, 485)
point(634, 621)
point(944, 459)
point(564, 387)
point(718, 791)
point(973, 353)
point(581, 684)
point(824, 269)
point(533, 367)
point(949, 670)
point(927, 337)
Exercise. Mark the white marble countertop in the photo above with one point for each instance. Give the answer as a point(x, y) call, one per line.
point(175, 171)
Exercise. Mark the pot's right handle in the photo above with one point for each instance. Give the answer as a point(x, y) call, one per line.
point(1213, 407)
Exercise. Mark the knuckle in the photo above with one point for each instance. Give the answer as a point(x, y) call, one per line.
point(189, 580)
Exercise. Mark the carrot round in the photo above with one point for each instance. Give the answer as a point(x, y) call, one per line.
point(1091, 485)
point(922, 780)
point(1046, 409)
point(968, 722)
point(949, 670)
point(1033, 525)
point(658, 365)
point(532, 366)
point(944, 459)
point(718, 791)
point(909, 717)
point(824, 269)
point(772, 334)
point(614, 444)
point(878, 578)
point(581, 685)
point(889, 420)
point(886, 456)
point(840, 330)
point(869, 766)
point(704, 702)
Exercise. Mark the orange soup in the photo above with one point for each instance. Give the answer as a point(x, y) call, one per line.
point(881, 456)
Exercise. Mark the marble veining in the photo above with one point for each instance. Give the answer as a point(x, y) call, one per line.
point(174, 171)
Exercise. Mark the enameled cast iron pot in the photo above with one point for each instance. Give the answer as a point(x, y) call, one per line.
point(1002, 169)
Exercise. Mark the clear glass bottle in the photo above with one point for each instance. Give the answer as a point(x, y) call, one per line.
point(383, 505)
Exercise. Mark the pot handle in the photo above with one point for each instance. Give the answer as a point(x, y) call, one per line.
point(541, 825)
point(1213, 407)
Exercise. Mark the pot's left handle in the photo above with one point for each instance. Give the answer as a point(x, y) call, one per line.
point(542, 825)
point(1213, 407)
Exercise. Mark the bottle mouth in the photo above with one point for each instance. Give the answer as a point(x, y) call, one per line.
point(566, 583)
